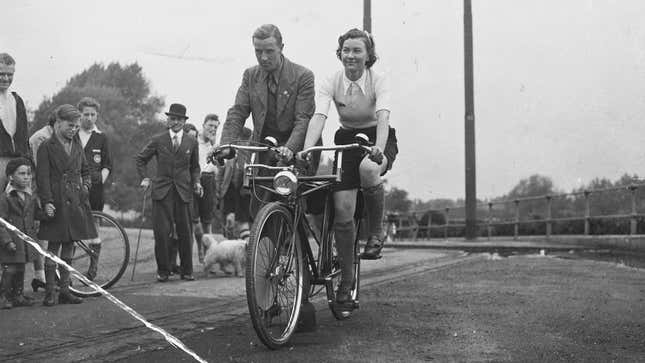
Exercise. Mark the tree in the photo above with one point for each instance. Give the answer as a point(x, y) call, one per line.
point(127, 117)
point(396, 200)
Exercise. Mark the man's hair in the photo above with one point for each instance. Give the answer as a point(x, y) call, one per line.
point(211, 116)
point(267, 31)
point(367, 39)
point(189, 127)
point(88, 102)
point(67, 112)
point(51, 119)
point(6, 59)
point(14, 164)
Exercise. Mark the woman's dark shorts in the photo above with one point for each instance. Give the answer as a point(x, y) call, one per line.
point(351, 178)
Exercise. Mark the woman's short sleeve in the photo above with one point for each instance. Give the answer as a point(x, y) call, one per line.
point(383, 92)
point(324, 95)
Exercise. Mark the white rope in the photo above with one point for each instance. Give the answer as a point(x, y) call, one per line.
point(169, 337)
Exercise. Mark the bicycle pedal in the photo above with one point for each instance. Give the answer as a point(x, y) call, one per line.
point(370, 257)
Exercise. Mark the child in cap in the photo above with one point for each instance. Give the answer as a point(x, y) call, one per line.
point(20, 207)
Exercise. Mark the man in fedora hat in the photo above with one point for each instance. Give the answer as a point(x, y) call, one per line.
point(172, 191)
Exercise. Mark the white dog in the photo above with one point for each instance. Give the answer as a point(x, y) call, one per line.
point(225, 253)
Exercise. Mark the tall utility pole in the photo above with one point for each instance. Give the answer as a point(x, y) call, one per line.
point(367, 15)
point(471, 185)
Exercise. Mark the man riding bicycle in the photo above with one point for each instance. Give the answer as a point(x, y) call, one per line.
point(362, 99)
point(278, 94)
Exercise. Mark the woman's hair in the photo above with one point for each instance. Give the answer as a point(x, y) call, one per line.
point(367, 39)
point(67, 112)
point(88, 102)
point(14, 164)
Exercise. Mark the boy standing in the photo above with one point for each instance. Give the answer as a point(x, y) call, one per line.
point(63, 187)
point(19, 207)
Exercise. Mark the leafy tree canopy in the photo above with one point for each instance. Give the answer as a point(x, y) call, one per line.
point(127, 116)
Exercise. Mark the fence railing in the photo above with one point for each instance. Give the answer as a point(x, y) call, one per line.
point(488, 220)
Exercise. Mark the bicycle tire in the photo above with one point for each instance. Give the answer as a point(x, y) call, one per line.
point(113, 259)
point(274, 261)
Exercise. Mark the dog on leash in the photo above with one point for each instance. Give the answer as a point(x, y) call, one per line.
point(224, 252)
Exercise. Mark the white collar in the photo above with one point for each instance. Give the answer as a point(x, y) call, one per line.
point(11, 188)
point(359, 82)
point(6, 94)
point(94, 129)
point(179, 133)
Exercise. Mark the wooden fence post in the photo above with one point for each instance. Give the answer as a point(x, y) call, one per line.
point(490, 219)
point(633, 221)
point(517, 219)
point(549, 225)
point(445, 226)
point(587, 212)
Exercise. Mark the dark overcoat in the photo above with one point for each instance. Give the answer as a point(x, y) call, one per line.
point(64, 180)
point(178, 168)
point(22, 214)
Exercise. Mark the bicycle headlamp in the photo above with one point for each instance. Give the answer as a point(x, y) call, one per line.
point(285, 182)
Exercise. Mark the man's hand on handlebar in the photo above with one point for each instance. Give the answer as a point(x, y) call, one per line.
point(284, 153)
point(218, 156)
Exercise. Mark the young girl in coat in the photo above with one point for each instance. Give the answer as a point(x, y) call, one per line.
point(19, 207)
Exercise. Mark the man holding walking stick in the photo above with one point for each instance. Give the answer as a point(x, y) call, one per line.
point(176, 180)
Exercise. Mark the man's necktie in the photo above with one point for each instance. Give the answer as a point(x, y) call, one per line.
point(272, 84)
point(175, 143)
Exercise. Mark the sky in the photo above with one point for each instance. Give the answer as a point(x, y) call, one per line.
point(559, 85)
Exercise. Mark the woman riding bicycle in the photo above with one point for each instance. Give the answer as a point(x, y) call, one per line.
point(362, 99)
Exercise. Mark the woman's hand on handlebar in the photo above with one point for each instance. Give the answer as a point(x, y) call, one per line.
point(376, 155)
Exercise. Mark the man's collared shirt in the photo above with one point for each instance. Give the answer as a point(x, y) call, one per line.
point(8, 112)
point(179, 135)
point(85, 136)
point(20, 192)
point(205, 147)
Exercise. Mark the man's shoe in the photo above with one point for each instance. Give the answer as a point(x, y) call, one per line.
point(36, 284)
point(188, 277)
point(162, 278)
point(372, 249)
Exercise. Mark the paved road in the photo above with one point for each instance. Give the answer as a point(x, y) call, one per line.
point(97, 329)
point(416, 305)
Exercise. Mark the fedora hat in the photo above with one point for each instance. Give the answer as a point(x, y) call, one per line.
point(177, 109)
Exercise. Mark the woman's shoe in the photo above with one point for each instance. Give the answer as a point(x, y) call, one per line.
point(36, 284)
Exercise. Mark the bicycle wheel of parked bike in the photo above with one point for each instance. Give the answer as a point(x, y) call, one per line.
point(111, 257)
point(332, 284)
point(274, 275)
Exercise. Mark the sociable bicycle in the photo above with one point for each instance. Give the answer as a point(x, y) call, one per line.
point(289, 260)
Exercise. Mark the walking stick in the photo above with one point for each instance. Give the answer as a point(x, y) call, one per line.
point(143, 218)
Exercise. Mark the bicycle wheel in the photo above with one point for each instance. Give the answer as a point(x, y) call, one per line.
point(274, 275)
point(112, 259)
point(333, 280)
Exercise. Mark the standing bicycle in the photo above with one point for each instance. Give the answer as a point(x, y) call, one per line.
point(286, 258)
